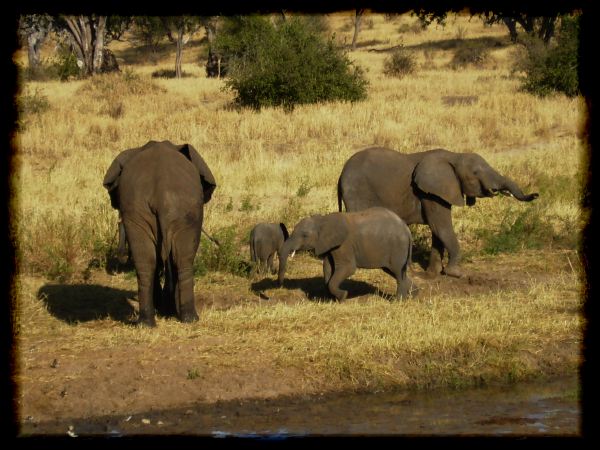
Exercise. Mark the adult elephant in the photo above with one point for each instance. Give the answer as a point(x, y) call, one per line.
point(160, 190)
point(422, 188)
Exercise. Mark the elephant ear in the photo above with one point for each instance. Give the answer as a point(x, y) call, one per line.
point(113, 174)
point(206, 177)
point(333, 231)
point(435, 175)
point(284, 230)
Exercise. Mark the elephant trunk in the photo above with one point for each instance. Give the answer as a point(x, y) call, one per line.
point(285, 250)
point(509, 187)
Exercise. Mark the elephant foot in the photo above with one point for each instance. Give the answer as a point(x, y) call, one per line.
point(146, 323)
point(453, 271)
point(342, 296)
point(189, 317)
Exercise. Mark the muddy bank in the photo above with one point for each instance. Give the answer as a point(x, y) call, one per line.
point(548, 408)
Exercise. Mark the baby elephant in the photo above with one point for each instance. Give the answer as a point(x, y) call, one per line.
point(265, 240)
point(368, 239)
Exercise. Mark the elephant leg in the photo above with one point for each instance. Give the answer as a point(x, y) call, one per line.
point(341, 272)
point(439, 218)
point(435, 256)
point(167, 299)
point(143, 251)
point(403, 283)
point(184, 249)
point(327, 269)
point(270, 264)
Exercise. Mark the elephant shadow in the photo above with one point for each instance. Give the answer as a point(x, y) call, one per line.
point(314, 287)
point(86, 302)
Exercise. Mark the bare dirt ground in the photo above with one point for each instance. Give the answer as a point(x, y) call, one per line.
point(59, 383)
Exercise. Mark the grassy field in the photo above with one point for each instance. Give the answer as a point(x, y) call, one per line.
point(275, 165)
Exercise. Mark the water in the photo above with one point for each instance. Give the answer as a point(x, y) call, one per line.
point(522, 409)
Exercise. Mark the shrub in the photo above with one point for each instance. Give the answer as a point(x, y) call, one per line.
point(552, 68)
point(469, 54)
point(287, 65)
point(225, 257)
point(400, 63)
point(30, 103)
point(64, 64)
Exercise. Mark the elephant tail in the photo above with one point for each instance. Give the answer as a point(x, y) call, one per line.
point(410, 244)
point(339, 194)
point(165, 239)
point(252, 250)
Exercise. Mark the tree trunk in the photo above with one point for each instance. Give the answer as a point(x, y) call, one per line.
point(33, 50)
point(179, 53)
point(511, 24)
point(99, 33)
point(87, 35)
point(357, 22)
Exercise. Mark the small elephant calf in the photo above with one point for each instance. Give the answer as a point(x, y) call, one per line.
point(265, 240)
point(375, 238)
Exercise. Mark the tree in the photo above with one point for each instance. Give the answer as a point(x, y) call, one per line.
point(539, 26)
point(87, 36)
point(33, 29)
point(214, 65)
point(285, 65)
point(542, 27)
point(358, 15)
point(184, 27)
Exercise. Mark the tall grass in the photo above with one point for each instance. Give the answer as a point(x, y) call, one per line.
point(265, 162)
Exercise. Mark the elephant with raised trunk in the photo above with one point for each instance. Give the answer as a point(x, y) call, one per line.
point(160, 190)
point(422, 188)
point(370, 239)
point(265, 241)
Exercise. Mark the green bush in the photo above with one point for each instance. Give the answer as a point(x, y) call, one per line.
point(224, 257)
point(400, 63)
point(553, 67)
point(64, 64)
point(286, 65)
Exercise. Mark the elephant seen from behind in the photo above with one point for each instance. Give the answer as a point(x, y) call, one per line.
point(160, 190)
point(265, 241)
point(369, 239)
point(421, 188)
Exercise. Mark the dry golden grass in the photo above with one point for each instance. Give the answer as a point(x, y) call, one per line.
point(280, 166)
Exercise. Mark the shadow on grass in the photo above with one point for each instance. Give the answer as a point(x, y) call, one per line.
point(450, 44)
point(144, 53)
point(314, 288)
point(73, 303)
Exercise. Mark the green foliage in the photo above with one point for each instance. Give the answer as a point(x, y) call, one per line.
point(553, 67)
point(527, 229)
point(225, 257)
point(64, 64)
point(286, 65)
point(400, 63)
point(304, 188)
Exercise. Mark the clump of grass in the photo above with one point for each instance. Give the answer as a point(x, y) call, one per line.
point(470, 55)
point(526, 229)
point(119, 84)
point(168, 73)
point(400, 63)
point(31, 104)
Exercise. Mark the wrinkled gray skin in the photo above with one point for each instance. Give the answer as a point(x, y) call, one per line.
point(265, 241)
point(421, 188)
point(369, 239)
point(160, 190)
